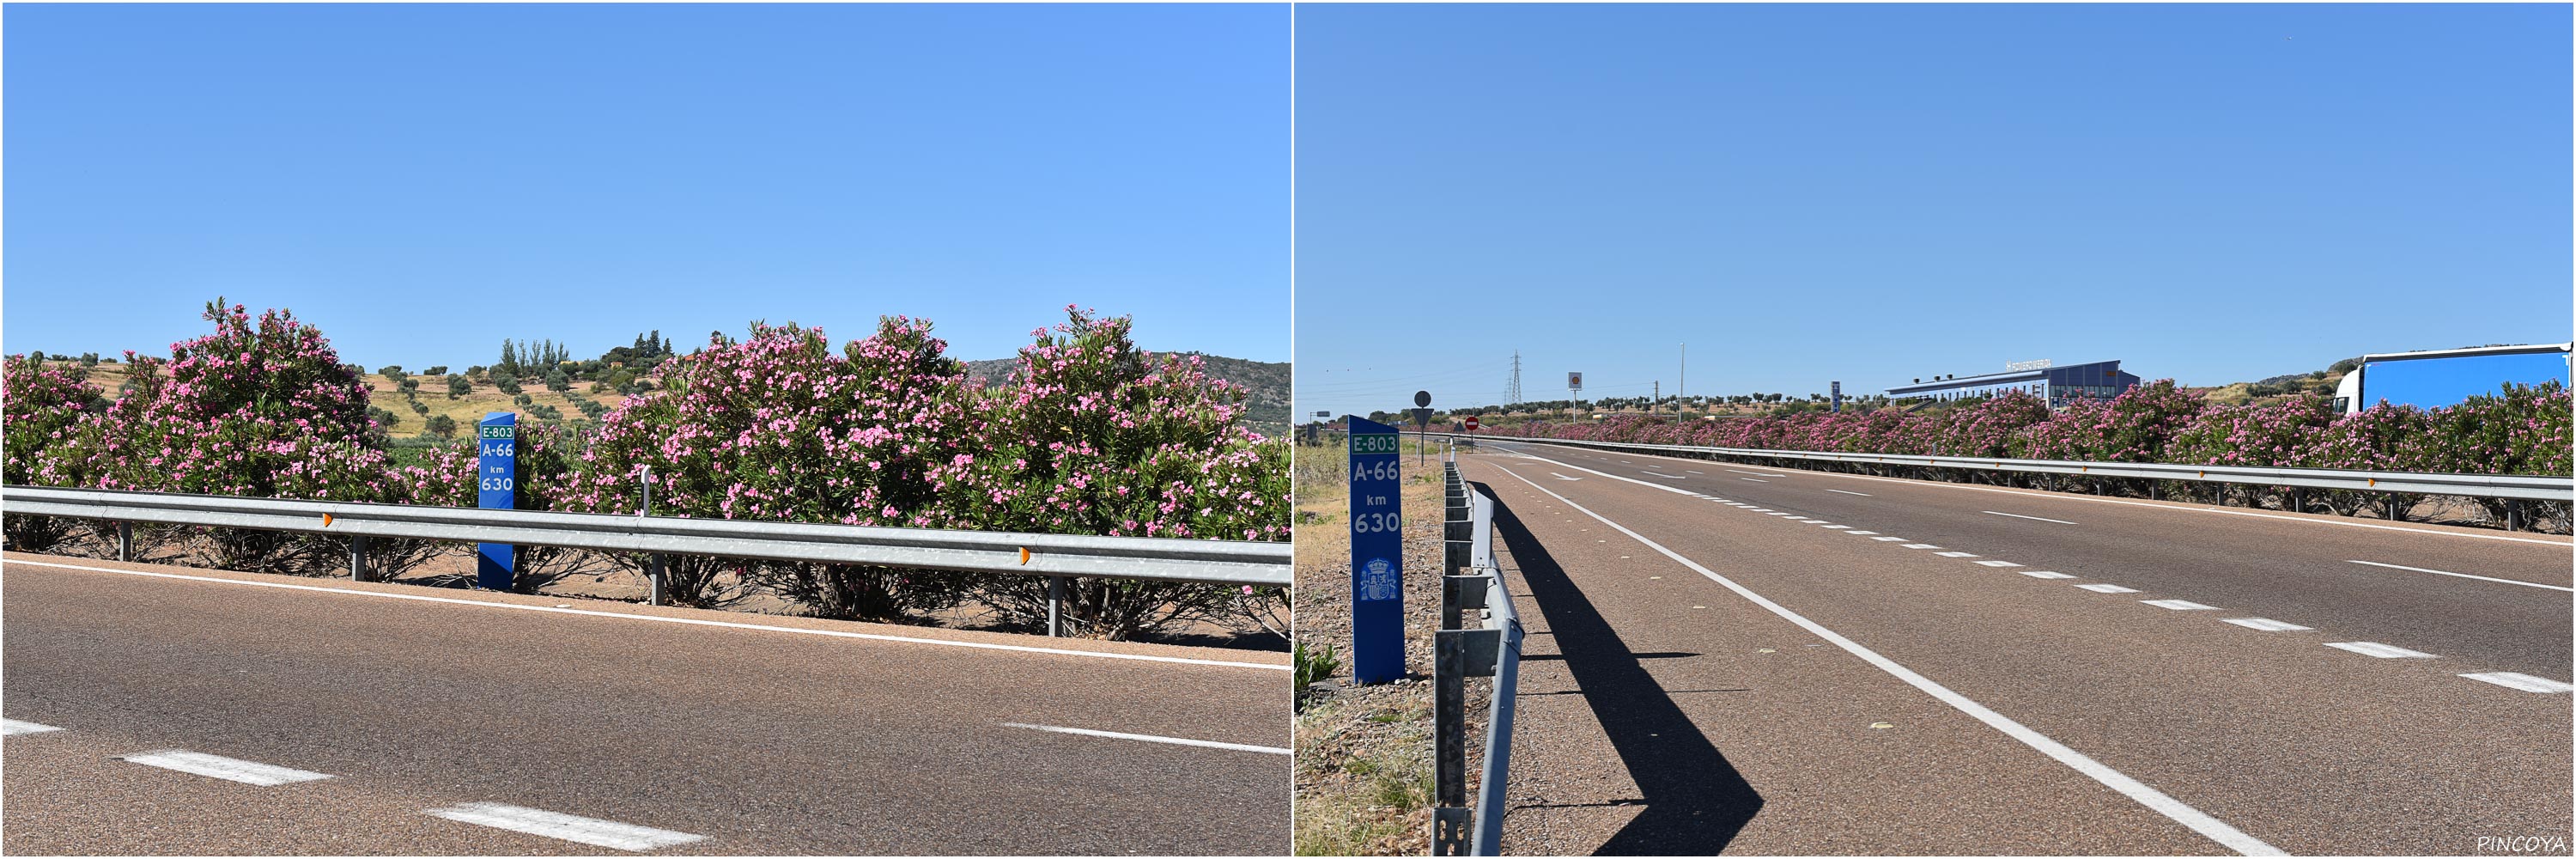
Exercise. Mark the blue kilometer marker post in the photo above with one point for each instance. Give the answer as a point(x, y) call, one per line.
point(1377, 553)
point(496, 473)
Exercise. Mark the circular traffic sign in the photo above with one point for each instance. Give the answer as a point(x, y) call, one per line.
point(1471, 423)
point(1422, 398)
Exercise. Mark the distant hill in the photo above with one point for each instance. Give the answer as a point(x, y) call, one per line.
point(1265, 384)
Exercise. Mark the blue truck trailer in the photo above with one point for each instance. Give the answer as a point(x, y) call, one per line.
point(2448, 377)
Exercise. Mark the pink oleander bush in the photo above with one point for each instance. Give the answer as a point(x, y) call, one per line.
point(2524, 430)
point(38, 406)
point(1091, 436)
point(257, 408)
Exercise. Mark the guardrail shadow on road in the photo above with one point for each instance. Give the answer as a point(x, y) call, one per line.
point(1695, 800)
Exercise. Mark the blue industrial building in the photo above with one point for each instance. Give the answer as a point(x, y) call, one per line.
point(2100, 380)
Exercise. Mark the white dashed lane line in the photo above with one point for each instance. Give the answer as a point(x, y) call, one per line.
point(2266, 624)
point(2179, 605)
point(2048, 574)
point(565, 827)
point(2524, 682)
point(1997, 564)
point(1919, 546)
point(1956, 554)
point(1880, 539)
point(2109, 589)
point(13, 727)
point(1754, 479)
point(228, 769)
point(2383, 651)
point(2467, 576)
point(1849, 492)
point(2019, 516)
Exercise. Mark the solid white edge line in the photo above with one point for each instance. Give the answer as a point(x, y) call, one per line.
point(1849, 492)
point(564, 827)
point(228, 769)
point(14, 728)
point(2467, 576)
point(834, 633)
point(2524, 682)
point(1150, 738)
point(2059, 496)
point(2019, 516)
point(2156, 800)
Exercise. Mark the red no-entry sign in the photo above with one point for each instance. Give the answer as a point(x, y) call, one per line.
point(1471, 423)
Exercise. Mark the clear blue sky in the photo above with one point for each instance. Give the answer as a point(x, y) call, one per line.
point(1875, 193)
point(423, 181)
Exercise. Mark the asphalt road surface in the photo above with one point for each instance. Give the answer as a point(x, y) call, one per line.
point(210, 712)
point(1758, 660)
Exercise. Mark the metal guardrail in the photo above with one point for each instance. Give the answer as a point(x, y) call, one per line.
point(1491, 648)
point(2513, 487)
point(1056, 556)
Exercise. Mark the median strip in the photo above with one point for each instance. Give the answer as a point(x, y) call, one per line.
point(565, 827)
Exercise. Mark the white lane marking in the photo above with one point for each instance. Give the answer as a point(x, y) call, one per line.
point(1773, 513)
point(2165, 505)
point(2180, 605)
point(1759, 509)
point(1833, 527)
point(1664, 476)
point(1150, 738)
point(1754, 479)
point(1563, 477)
point(1919, 546)
point(2266, 624)
point(1881, 539)
point(565, 827)
point(1849, 492)
point(2019, 516)
point(2046, 574)
point(2383, 651)
point(1955, 554)
point(2524, 682)
point(2111, 589)
point(1862, 533)
point(2467, 576)
point(228, 769)
point(1652, 465)
point(2137, 791)
point(1695, 472)
point(686, 621)
point(13, 727)
point(1754, 473)
point(1997, 564)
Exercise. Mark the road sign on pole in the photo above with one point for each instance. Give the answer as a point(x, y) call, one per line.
point(1471, 423)
point(496, 480)
point(1377, 552)
point(1838, 396)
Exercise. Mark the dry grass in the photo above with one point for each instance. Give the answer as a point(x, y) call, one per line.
point(385, 394)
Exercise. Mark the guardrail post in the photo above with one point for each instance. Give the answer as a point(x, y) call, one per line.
point(125, 541)
point(657, 579)
point(1449, 732)
point(357, 557)
point(2513, 514)
point(2395, 514)
point(1055, 606)
point(2298, 500)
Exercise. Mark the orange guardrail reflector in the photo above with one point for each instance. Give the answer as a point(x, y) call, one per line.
point(1024, 556)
